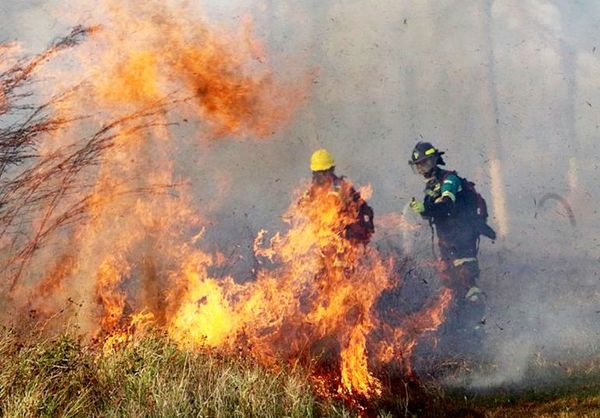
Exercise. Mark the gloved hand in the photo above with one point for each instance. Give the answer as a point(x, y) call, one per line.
point(417, 206)
point(474, 294)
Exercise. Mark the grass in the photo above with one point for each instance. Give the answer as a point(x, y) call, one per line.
point(575, 403)
point(61, 377)
point(153, 378)
point(548, 391)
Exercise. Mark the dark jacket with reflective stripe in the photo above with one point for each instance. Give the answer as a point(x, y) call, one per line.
point(457, 236)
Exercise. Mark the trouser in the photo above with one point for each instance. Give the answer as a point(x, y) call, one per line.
point(465, 319)
point(460, 275)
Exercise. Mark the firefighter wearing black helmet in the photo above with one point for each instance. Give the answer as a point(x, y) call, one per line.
point(448, 205)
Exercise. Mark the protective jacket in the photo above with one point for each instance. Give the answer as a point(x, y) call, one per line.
point(363, 227)
point(458, 235)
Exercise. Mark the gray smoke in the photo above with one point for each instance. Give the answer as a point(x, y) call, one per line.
point(512, 79)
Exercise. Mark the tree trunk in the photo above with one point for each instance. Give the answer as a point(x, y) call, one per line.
point(492, 120)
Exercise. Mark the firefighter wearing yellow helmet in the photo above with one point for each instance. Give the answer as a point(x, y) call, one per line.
point(321, 160)
point(324, 179)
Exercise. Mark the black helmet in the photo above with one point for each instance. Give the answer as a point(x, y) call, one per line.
point(424, 150)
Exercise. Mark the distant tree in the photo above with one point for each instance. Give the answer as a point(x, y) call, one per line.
point(491, 117)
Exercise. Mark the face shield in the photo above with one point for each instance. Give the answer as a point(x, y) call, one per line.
point(425, 166)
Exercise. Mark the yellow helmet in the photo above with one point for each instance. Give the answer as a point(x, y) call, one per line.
point(321, 160)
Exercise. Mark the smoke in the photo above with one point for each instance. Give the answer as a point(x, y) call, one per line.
point(508, 88)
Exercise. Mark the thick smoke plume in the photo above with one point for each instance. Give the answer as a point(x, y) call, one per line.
point(117, 227)
point(507, 88)
point(108, 134)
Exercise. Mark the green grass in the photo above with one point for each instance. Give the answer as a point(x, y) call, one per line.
point(559, 403)
point(546, 391)
point(61, 377)
point(152, 378)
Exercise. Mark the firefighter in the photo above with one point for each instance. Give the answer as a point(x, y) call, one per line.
point(342, 224)
point(324, 180)
point(458, 213)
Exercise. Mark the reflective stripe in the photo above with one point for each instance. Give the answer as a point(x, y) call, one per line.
point(448, 182)
point(433, 193)
point(473, 293)
point(450, 195)
point(430, 151)
point(460, 261)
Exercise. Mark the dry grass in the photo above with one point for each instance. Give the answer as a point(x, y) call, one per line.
point(61, 377)
point(153, 378)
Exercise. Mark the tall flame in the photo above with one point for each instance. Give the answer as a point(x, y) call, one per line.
point(136, 261)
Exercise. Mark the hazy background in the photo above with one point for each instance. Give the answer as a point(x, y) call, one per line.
point(516, 81)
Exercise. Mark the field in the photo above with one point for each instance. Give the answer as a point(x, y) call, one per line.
point(152, 377)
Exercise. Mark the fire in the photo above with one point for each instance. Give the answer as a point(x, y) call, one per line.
point(137, 261)
point(354, 369)
point(320, 297)
point(151, 51)
point(138, 324)
point(318, 302)
point(400, 342)
point(204, 316)
point(133, 80)
point(113, 300)
point(140, 235)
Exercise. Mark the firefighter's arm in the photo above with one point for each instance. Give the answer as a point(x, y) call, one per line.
point(417, 206)
point(364, 226)
point(444, 204)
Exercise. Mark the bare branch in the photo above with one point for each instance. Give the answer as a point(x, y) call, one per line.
point(41, 194)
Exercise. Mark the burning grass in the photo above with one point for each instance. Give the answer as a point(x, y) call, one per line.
point(100, 232)
point(85, 217)
point(153, 377)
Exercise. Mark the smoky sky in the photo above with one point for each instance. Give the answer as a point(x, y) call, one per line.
point(516, 80)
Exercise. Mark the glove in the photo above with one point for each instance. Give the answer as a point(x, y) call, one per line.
point(417, 206)
point(474, 294)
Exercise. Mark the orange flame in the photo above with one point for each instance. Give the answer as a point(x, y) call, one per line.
point(318, 302)
point(110, 297)
point(316, 298)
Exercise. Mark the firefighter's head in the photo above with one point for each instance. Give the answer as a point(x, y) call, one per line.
point(322, 165)
point(425, 157)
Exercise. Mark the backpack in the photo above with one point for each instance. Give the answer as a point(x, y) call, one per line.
point(473, 208)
